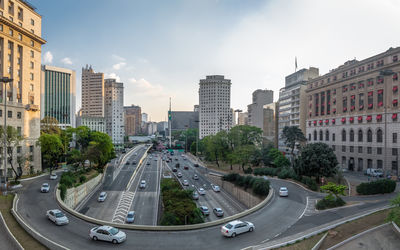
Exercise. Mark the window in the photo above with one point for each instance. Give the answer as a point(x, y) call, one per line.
point(351, 149)
point(309, 137)
point(9, 114)
point(379, 151)
point(32, 22)
point(1, 112)
point(343, 148)
point(19, 130)
point(320, 135)
point(394, 151)
point(333, 136)
point(351, 135)
point(20, 37)
point(379, 135)
point(1, 27)
point(32, 43)
point(32, 76)
point(11, 32)
point(31, 87)
point(379, 163)
point(315, 135)
point(327, 135)
point(360, 149)
point(343, 135)
point(394, 137)
point(31, 148)
point(369, 150)
point(19, 148)
point(360, 135)
point(369, 135)
point(32, 65)
point(32, 54)
point(333, 147)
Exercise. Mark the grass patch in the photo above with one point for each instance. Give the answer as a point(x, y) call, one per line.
point(304, 244)
point(25, 239)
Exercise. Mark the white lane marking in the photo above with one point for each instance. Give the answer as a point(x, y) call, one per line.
point(305, 209)
point(159, 170)
point(122, 208)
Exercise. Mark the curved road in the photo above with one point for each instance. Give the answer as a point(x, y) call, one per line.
point(271, 220)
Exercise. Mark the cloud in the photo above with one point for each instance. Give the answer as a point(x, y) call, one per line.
point(118, 66)
point(48, 57)
point(143, 87)
point(117, 57)
point(112, 75)
point(66, 60)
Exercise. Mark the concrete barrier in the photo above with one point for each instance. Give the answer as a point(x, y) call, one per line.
point(319, 243)
point(76, 194)
point(163, 228)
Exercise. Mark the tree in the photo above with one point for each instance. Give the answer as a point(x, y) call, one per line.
point(244, 154)
point(334, 189)
point(13, 138)
point(292, 135)
point(100, 149)
point(52, 149)
point(49, 125)
point(317, 159)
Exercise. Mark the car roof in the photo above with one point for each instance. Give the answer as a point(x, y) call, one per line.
point(218, 208)
point(203, 207)
point(235, 222)
point(45, 184)
point(131, 212)
point(105, 227)
point(283, 187)
point(55, 210)
point(103, 193)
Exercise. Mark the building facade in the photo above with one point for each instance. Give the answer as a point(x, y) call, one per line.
point(215, 105)
point(182, 120)
point(58, 95)
point(243, 118)
point(114, 110)
point(270, 123)
point(20, 60)
point(133, 120)
point(255, 110)
point(354, 109)
point(92, 92)
point(292, 102)
point(93, 123)
point(144, 117)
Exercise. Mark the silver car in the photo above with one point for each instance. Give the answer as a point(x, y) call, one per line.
point(45, 188)
point(204, 210)
point(57, 217)
point(130, 217)
point(202, 191)
point(143, 184)
point(107, 233)
point(102, 196)
point(195, 195)
point(185, 183)
point(53, 176)
point(215, 188)
point(218, 212)
point(283, 191)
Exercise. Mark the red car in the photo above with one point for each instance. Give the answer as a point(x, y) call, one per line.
point(186, 167)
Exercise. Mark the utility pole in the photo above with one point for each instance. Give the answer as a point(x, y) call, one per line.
point(5, 80)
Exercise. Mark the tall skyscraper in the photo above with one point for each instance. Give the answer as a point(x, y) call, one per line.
point(133, 120)
point(243, 118)
point(20, 60)
point(58, 94)
point(270, 124)
point(255, 110)
point(215, 105)
point(114, 111)
point(92, 93)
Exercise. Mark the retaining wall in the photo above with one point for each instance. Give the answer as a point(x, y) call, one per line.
point(76, 194)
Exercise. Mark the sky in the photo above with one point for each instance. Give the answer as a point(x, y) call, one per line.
point(161, 49)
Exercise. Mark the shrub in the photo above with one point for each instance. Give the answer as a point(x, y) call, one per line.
point(82, 179)
point(266, 171)
point(311, 184)
point(63, 191)
point(330, 202)
point(261, 187)
point(376, 187)
point(248, 170)
point(258, 185)
point(287, 173)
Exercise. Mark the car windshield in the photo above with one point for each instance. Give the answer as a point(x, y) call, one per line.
point(130, 215)
point(218, 209)
point(102, 195)
point(283, 189)
point(113, 231)
point(229, 226)
point(45, 185)
point(59, 215)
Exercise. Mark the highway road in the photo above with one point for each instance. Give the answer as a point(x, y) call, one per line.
point(110, 210)
point(229, 204)
point(278, 218)
point(146, 200)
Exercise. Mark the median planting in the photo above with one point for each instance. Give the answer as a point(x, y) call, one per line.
point(376, 187)
point(75, 179)
point(259, 186)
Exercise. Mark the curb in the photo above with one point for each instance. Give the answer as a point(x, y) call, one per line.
point(9, 232)
point(319, 243)
point(314, 231)
point(32, 178)
point(309, 190)
point(42, 239)
point(163, 228)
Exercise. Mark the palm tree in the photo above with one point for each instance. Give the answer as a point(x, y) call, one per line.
point(292, 135)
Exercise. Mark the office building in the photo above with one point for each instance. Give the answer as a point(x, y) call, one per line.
point(133, 120)
point(215, 105)
point(92, 92)
point(114, 110)
point(292, 102)
point(270, 123)
point(182, 120)
point(355, 110)
point(58, 95)
point(243, 118)
point(255, 110)
point(144, 117)
point(20, 59)
point(92, 122)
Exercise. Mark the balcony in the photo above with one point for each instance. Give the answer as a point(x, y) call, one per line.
point(32, 107)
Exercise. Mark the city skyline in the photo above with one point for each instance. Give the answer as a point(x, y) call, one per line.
point(165, 51)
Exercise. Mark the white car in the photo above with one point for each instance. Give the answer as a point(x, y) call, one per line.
point(142, 184)
point(102, 196)
point(107, 233)
point(202, 191)
point(185, 183)
point(57, 217)
point(45, 188)
point(236, 227)
point(53, 176)
point(216, 188)
point(283, 191)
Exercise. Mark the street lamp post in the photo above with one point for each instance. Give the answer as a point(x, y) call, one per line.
point(5, 80)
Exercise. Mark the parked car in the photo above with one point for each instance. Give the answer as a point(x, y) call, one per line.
point(53, 176)
point(107, 233)
point(186, 167)
point(179, 175)
point(202, 191)
point(216, 188)
point(218, 212)
point(102, 196)
point(283, 191)
point(142, 184)
point(204, 210)
point(195, 177)
point(130, 217)
point(236, 227)
point(45, 188)
point(374, 172)
point(174, 170)
point(57, 217)
point(195, 195)
point(185, 183)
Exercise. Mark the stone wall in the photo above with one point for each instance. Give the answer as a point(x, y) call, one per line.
point(247, 198)
point(76, 194)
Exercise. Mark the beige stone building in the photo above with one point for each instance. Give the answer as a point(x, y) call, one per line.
point(133, 120)
point(20, 60)
point(270, 123)
point(92, 92)
point(354, 109)
point(243, 118)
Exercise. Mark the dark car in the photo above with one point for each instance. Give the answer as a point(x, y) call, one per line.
point(196, 165)
point(127, 163)
point(174, 170)
point(186, 167)
point(134, 163)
